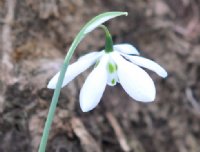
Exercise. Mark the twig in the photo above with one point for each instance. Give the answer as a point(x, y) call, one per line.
point(118, 131)
point(48, 8)
point(6, 65)
point(192, 100)
point(87, 141)
point(6, 33)
point(192, 29)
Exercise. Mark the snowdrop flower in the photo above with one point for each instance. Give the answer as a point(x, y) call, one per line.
point(122, 65)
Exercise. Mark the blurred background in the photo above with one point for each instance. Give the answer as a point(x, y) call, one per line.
point(35, 36)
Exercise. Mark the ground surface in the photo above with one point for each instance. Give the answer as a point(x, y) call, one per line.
point(34, 37)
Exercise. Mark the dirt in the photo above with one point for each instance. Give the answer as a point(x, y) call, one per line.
point(35, 37)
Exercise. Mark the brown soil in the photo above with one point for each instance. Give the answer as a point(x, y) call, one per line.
point(34, 38)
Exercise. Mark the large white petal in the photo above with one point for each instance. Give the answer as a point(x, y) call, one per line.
point(149, 64)
point(94, 86)
point(75, 69)
point(126, 49)
point(135, 81)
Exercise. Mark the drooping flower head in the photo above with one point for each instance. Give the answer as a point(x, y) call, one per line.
point(120, 63)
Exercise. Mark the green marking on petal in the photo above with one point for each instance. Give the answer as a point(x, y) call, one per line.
point(116, 67)
point(112, 67)
point(113, 81)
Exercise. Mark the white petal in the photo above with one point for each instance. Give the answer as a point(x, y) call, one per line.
point(135, 81)
point(149, 64)
point(126, 49)
point(94, 86)
point(75, 69)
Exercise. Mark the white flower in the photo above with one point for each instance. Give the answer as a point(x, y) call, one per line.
point(122, 66)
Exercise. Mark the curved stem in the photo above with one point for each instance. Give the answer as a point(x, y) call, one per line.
point(109, 41)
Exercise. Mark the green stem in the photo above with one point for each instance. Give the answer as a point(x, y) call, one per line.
point(109, 41)
point(56, 94)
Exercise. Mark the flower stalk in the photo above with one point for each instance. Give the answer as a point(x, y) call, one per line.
point(109, 41)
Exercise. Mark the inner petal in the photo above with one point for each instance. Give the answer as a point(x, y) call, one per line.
point(112, 79)
point(112, 73)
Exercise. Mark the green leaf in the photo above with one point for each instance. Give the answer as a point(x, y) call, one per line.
point(100, 19)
